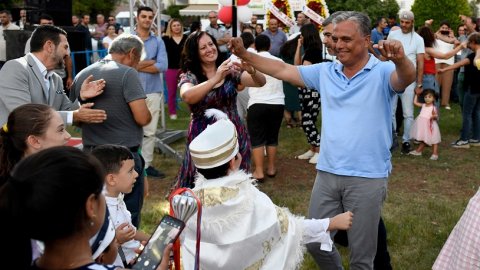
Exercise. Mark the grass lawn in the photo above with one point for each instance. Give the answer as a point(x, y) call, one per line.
point(425, 198)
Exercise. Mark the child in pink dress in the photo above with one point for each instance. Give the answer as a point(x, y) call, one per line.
point(425, 128)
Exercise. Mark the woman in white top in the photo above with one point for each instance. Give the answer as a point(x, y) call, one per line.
point(265, 113)
point(108, 39)
point(445, 43)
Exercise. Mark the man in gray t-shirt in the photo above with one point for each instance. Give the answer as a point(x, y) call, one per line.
point(124, 101)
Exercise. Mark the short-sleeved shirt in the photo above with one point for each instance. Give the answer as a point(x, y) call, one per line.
point(472, 83)
point(218, 33)
point(357, 121)
point(375, 37)
point(122, 87)
point(271, 92)
point(276, 41)
point(412, 43)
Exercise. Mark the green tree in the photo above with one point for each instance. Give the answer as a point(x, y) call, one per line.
point(9, 4)
point(374, 8)
point(440, 10)
point(93, 7)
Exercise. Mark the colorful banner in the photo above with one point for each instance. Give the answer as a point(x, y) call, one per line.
point(280, 15)
point(312, 15)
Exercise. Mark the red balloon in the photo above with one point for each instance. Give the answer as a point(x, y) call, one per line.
point(225, 14)
point(242, 2)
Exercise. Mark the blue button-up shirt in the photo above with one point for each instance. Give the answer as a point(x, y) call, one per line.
point(155, 50)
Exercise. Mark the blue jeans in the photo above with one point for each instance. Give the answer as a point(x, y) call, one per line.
point(407, 106)
point(471, 117)
point(429, 82)
point(134, 199)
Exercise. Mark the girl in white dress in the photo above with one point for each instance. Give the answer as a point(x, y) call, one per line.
point(425, 128)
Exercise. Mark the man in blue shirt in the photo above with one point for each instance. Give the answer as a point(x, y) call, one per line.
point(377, 32)
point(149, 71)
point(277, 37)
point(354, 162)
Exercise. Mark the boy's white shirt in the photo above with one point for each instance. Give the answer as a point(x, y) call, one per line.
point(119, 214)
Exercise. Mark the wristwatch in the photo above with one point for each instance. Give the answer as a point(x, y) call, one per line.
point(420, 85)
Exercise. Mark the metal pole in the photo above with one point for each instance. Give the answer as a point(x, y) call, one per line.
point(234, 18)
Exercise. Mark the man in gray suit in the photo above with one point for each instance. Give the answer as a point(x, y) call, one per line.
point(30, 79)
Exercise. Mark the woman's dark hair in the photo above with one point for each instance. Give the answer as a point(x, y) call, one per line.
point(428, 36)
point(190, 58)
point(216, 172)
point(261, 26)
point(25, 120)
point(311, 38)
point(45, 197)
point(445, 22)
point(287, 51)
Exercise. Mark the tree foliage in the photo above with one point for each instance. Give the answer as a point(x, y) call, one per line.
point(440, 10)
point(374, 8)
point(93, 7)
point(9, 4)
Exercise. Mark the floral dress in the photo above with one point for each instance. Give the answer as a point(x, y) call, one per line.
point(223, 98)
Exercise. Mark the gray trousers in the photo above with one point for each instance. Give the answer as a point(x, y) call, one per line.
point(334, 194)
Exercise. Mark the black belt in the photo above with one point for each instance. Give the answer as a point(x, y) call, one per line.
point(89, 148)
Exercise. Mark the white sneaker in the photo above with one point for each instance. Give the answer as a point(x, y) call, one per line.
point(434, 157)
point(313, 159)
point(415, 153)
point(473, 142)
point(173, 116)
point(307, 155)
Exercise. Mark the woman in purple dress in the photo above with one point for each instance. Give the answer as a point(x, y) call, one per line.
point(207, 83)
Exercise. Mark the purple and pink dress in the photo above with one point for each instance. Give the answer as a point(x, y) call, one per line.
point(223, 98)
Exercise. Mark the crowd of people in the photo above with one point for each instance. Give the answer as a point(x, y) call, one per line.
point(87, 204)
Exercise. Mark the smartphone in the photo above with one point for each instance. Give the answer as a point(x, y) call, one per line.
point(167, 232)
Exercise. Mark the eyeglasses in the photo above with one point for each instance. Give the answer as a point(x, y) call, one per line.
point(111, 19)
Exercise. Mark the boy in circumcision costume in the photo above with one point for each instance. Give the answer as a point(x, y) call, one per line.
point(241, 227)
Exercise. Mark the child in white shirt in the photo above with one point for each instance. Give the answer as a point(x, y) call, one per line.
point(119, 166)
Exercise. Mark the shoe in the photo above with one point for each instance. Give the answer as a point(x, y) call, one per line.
point(461, 144)
point(272, 175)
point(473, 142)
point(173, 117)
point(415, 153)
point(405, 148)
point(447, 107)
point(434, 157)
point(307, 155)
point(313, 159)
point(394, 143)
point(152, 172)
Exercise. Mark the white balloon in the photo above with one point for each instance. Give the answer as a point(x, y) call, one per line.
point(244, 14)
point(225, 2)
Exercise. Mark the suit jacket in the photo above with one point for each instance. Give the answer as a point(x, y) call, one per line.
point(21, 82)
